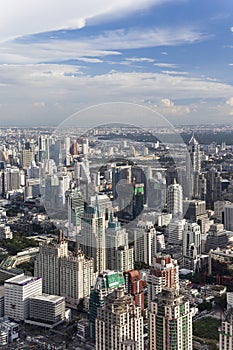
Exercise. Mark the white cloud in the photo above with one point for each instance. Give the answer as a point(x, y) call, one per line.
point(20, 18)
point(63, 91)
point(140, 59)
point(167, 102)
point(229, 102)
point(231, 29)
point(40, 104)
point(172, 72)
point(166, 65)
point(107, 43)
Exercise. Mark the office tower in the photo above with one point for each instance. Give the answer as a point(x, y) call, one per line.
point(134, 286)
point(156, 197)
point(13, 179)
point(194, 169)
point(63, 273)
point(44, 142)
point(175, 231)
point(18, 291)
point(191, 238)
point(138, 200)
point(163, 274)
point(75, 207)
point(195, 154)
point(170, 322)
point(213, 186)
point(105, 284)
point(27, 158)
point(120, 172)
point(228, 216)
point(92, 236)
point(191, 245)
point(145, 242)
point(46, 309)
point(175, 200)
point(226, 331)
point(119, 323)
point(119, 256)
point(74, 149)
point(194, 209)
point(216, 237)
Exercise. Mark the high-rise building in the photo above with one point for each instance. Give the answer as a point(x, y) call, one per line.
point(63, 273)
point(170, 322)
point(163, 274)
point(175, 231)
point(175, 200)
point(119, 323)
point(75, 207)
point(226, 331)
point(93, 234)
point(191, 244)
point(228, 216)
point(216, 237)
point(105, 284)
point(134, 286)
point(18, 291)
point(194, 168)
point(119, 256)
point(145, 242)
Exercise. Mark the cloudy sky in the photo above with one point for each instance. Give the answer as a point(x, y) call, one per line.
point(59, 57)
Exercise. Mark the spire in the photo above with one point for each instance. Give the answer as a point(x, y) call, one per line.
point(193, 141)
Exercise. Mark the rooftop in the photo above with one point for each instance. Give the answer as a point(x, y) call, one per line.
point(21, 280)
point(48, 297)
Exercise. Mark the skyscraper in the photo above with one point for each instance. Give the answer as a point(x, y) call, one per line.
point(63, 273)
point(92, 237)
point(226, 331)
point(145, 242)
point(191, 244)
point(134, 286)
point(119, 256)
point(194, 169)
point(170, 322)
point(119, 323)
point(105, 284)
point(163, 274)
point(175, 199)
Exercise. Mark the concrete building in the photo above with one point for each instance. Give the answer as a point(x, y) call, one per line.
point(105, 284)
point(216, 237)
point(175, 231)
point(191, 245)
point(134, 286)
point(93, 235)
point(226, 331)
point(170, 322)
point(119, 324)
point(119, 256)
point(228, 216)
point(145, 242)
point(175, 200)
point(163, 274)
point(46, 310)
point(64, 273)
point(18, 291)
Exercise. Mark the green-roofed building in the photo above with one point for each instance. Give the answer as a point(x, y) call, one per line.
point(106, 283)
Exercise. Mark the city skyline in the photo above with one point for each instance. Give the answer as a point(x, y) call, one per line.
point(171, 56)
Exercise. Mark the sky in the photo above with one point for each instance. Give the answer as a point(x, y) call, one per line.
point(174, 57)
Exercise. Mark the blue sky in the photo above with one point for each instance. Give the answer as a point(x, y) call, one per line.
point(174, 56)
